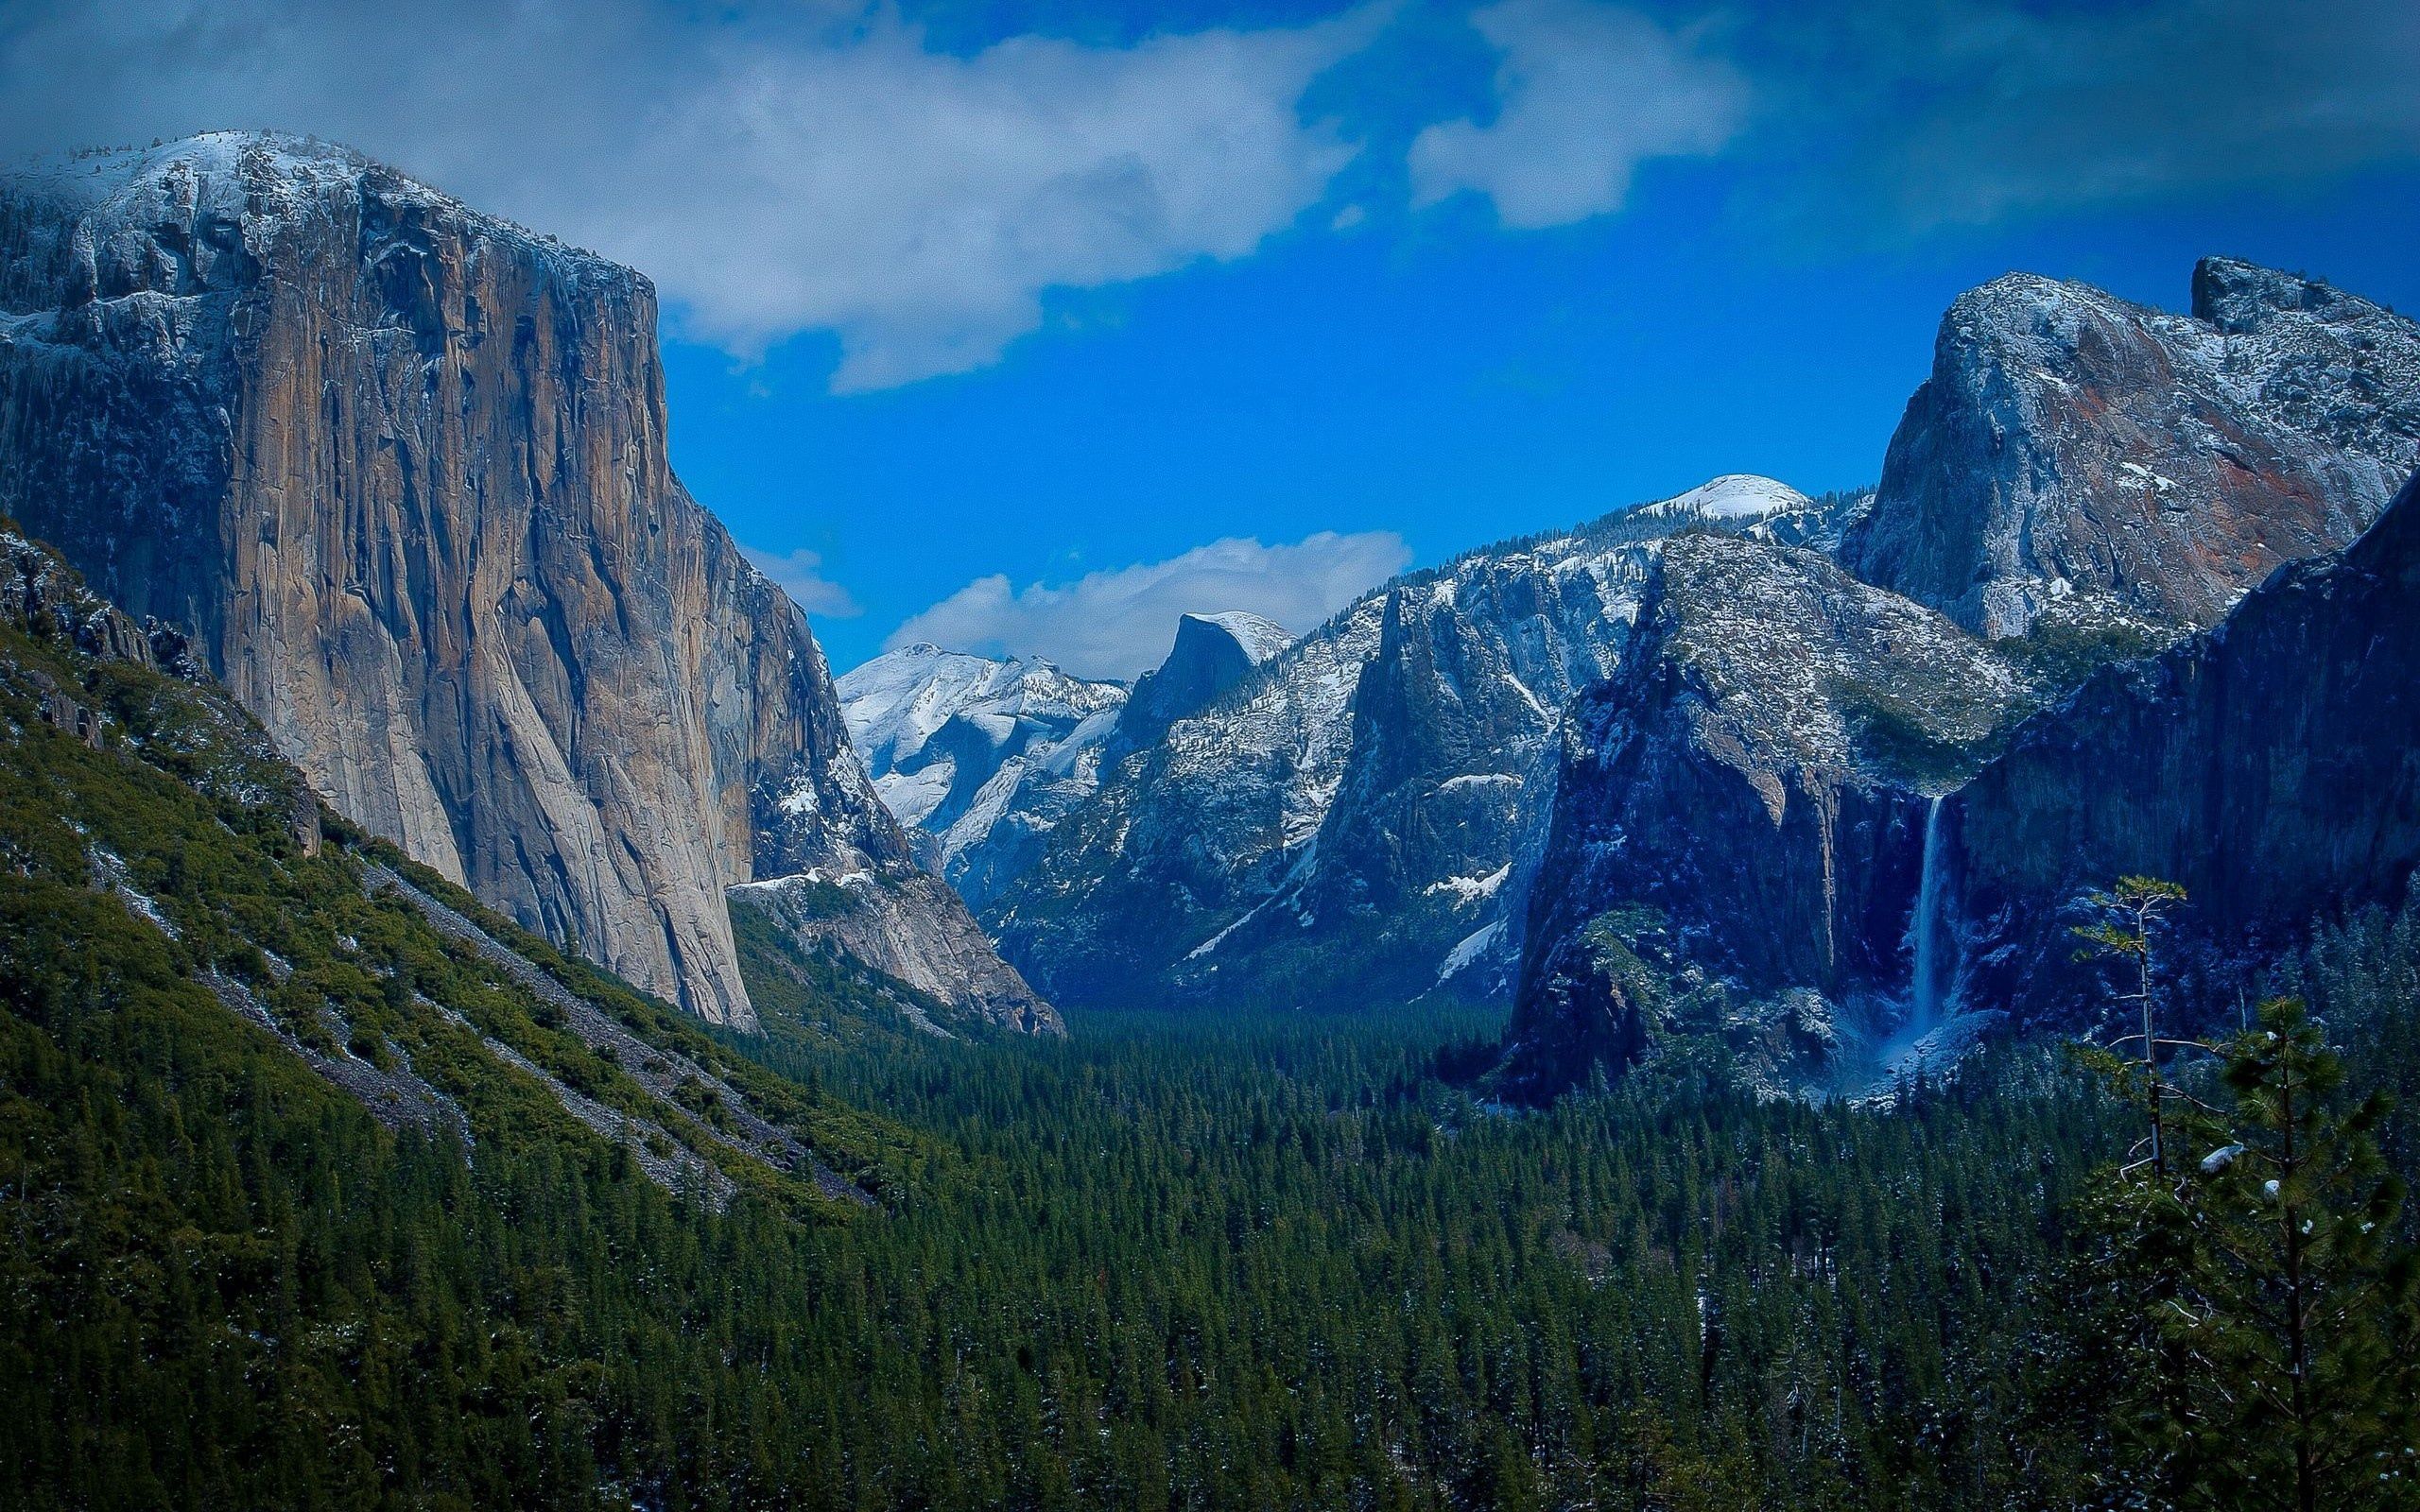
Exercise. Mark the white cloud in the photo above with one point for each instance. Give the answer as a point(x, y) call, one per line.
point(1587, 92)
point(801, 576)
point(1118, 624)
point(774, 175)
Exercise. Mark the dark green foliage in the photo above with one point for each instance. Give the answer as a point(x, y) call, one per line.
point(2248, 1313)
point(2062, 654)
point(1275, 1262)
point(1272, 1262)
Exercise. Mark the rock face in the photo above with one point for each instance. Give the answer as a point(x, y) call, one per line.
point(1349, 822)
point(2271, 765)
point(401, 469)
point(1212, 653)
point(1744, 801)
point(2102, 467)
point(978, 758)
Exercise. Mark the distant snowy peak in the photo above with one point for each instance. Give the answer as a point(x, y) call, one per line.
point(1212, 653)
point(1732, 496)
point(966, 748)
point(895, 704)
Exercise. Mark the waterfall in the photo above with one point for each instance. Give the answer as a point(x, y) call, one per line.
point(1925, 987)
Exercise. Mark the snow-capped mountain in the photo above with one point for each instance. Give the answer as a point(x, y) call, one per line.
point(1802, 789)
point(1347, 823)
point(978, 757)
point(982, 758)
point(1740, 809)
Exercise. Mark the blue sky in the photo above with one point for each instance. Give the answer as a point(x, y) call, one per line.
point(1027, 326)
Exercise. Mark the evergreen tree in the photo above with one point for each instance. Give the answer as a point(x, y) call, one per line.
point(2265, 1348)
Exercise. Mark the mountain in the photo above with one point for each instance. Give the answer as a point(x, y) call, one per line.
point(400, 469)
point(1344, 823)
point(978, 758)
point(1212, 653)
point(981, 759)
point(1742, 807)
point(161, 847)
point(2102, 467)
point(2272, 766)
point(1776, 823)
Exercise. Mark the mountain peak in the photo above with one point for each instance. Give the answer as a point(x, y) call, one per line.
point(2266, 426)
point(2239, 297)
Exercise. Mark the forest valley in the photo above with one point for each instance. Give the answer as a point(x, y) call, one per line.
point(1285, 1260)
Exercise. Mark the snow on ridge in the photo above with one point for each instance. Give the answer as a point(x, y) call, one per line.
point(1260, 637)
point(1731, 496)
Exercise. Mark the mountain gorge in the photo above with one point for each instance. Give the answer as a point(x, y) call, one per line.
point(400, 468)
point(488, 1020)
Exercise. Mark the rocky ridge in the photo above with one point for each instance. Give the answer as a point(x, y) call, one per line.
point(1345, 822)
point(1805, 791)
point(2107, 469)
point(2272, 766)
point(164, 803)
point(1743, 804)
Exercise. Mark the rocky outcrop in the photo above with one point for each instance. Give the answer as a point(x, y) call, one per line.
point(400, 468)
point(1354, 821)
point(2119, 473)
point(1743, 803)
point(885, 921)
point(2271, 765)
point(981, 759)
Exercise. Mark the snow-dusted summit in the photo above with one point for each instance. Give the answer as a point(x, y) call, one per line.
point(399, 467)
point(2100, 464)
point(978, 757)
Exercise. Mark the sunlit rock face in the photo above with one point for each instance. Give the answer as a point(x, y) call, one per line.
point(401, 469)
point(2083, 462)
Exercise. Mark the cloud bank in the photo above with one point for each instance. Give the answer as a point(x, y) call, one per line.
point(823, 166)
point(1973, 112)
point(773, 174)
point(1118, 624)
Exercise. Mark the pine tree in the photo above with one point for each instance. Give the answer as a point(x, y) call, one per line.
point(2282, 1364)
point(2129, 912)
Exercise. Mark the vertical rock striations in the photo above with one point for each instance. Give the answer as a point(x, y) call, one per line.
point(1751, 790)
point(401, 468)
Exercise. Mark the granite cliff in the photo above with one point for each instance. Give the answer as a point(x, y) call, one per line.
point(1741, 810)
point(2272, 766)
point(1354, 820)
point(400, 469)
